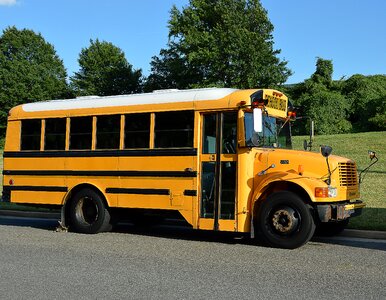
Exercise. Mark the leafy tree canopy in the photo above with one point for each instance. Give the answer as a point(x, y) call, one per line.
point(321, 101)
point(104, 71)
point(30, 70)
point(225, 43)
point(367, 95)
point(323, 73)
point(355, 104)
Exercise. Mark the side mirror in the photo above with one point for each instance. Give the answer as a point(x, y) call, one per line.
point(257, 120)
point(372, 154)
point(372, 157)
point(325, 150)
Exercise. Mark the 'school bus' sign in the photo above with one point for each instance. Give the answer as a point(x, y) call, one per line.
point(277, 102)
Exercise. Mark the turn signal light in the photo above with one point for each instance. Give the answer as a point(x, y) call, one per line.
point(300, 169)
point(321, 192)
point(292, 114)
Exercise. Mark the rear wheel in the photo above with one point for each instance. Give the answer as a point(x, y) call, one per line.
point(285, 221)
point(88, 213)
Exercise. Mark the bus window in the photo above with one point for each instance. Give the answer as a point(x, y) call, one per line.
point(137, 130)
point(229, 133)
point(55, 134)
point(81, 133)
point(108, 132)
point(30, 134)
point(209, 135)
point(174, 129)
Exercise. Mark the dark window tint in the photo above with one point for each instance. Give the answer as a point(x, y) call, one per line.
point(108, 132)
point(208, 189)
point(81, 133)
point(30, 134)
point(174, 129)
point(55, 134)
point(228, 190)
point(229, 133)
point(137, 131)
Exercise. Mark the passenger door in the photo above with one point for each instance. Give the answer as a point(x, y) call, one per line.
point(218, 162)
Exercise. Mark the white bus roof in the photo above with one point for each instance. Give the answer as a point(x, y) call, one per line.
point(157, 97)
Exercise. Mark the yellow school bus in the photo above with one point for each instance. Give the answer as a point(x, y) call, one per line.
point(220, 158)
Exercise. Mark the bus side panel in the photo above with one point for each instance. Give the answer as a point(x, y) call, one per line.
point(12, 141)
point(245, 189)
point(100, 172)
point(166, 182)
point(37, 197)
point(29, 182)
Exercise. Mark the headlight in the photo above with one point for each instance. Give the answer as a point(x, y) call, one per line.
point(326, 192)
point(332, 192)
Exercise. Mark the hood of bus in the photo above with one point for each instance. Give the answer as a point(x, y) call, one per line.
point(310, 165)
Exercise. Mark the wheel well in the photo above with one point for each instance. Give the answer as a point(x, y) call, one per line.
point(280, 187)
point(78, 188)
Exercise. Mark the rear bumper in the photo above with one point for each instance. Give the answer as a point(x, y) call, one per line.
point(339, 211)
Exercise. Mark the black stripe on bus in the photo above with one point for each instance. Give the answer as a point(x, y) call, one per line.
point(190, 193)
point(33, 188)
point(138, 191)
point(187, 174)
point(102, 153)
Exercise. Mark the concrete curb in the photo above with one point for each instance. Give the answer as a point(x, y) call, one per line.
point(364, 234)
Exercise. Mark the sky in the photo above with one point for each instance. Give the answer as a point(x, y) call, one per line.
point(351, 33)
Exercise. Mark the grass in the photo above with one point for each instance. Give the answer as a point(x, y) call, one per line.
point(354, 146)
point(373, 187)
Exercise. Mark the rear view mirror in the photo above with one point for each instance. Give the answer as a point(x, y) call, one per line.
point(257, 120)
point(371, 154)
point(325, 150)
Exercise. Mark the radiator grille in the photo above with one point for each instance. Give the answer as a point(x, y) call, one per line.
point(347, 174)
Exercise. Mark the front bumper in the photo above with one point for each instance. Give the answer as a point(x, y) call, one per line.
point(339, 211)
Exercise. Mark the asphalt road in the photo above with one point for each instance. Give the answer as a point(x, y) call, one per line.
point(178, 263)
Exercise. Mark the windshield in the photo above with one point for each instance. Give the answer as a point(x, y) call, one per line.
point(276, 132)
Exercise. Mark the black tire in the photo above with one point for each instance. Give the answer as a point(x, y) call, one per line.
point(285, 221)
point(331, 228)
point(88, 213)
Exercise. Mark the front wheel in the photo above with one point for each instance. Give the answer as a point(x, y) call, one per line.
point(88, 213)
point(285, 221)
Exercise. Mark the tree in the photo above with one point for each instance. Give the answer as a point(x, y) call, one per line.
point(30, 70)
point(327, 108)
point(321, 99)
point(171, 70)
point(225, 43)
point(323, 73)
point(367, 95)
point(105, 71)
